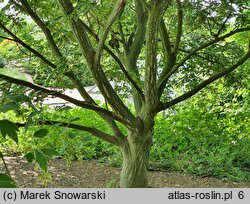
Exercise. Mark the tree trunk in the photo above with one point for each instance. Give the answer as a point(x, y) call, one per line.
point(135, 160)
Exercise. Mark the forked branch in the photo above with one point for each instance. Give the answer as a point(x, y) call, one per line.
point(117, 11)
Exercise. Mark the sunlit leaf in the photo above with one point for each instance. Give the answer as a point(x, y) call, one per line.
point(74, 119)
point(41, 160)
point(50, 153)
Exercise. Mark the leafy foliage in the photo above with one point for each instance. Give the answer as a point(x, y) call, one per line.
point(207, 137)
point(202, 137)
point(41, 160)
point(41, 133)
point(8, 106)
point(6, 181)
point(9, 128)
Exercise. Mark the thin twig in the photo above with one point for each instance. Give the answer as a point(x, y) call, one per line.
point(5, 165)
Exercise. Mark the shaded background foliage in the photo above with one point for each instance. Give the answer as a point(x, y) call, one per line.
point(206, 137)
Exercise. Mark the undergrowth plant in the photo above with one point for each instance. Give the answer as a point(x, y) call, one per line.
point(200, 141)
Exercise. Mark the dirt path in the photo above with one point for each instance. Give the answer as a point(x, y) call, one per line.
point(90, 174)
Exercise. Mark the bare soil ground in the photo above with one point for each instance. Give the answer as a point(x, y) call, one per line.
point(90, 174)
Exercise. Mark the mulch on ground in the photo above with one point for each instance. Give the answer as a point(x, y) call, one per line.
point(91, 174)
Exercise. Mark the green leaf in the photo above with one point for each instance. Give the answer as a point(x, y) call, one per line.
point(4, 177)
point(71, 135)
point(5, 184)
point(41, 133)
point(50, 153)
point(74, 119)
point(8, 106)
point(9, 128)
point(31, 119)
point(65, 108)
point(41, 160)
point(30, 157)
point(20, 98)
point(34, 113)
point(6, 181)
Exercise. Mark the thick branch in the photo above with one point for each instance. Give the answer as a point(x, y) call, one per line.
point(114, 15)
point(133, 49)
point(166, 43)
point(79, 30)
point(169, 52)
point(151, 96)
point(179, 28)
point(82, 104)
point(118, 61)
point(169, 55)
point(94, 131)
point(153, 25)
point(69, 74)
point(139, 36)
point(93, 62)
point(205, 83)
